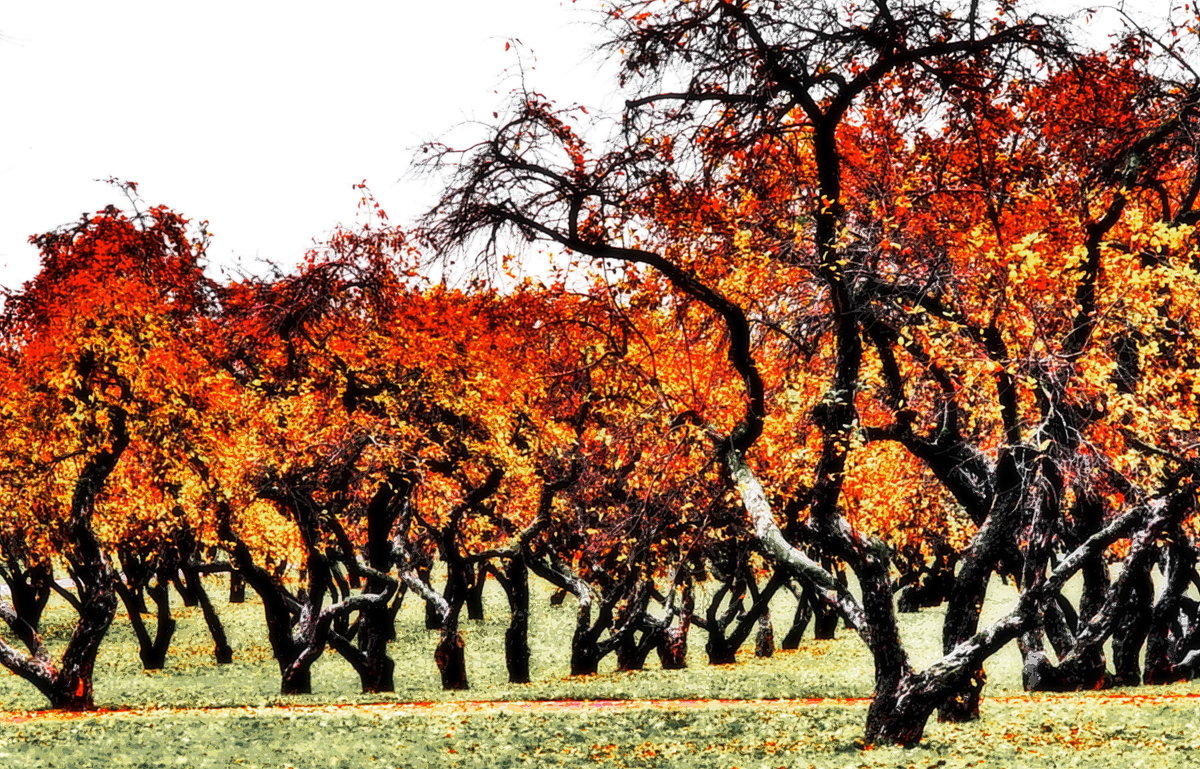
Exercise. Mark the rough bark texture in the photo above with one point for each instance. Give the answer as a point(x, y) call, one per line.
point(516, 635)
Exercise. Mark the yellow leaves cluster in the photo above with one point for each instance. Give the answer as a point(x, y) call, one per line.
point(889, 494)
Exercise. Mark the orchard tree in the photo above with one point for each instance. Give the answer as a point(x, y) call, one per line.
point(1036, 291)
point(742, 100)
point(291, 477)
point(95, 353)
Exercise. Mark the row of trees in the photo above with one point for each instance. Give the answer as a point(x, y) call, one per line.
point(941, 226)
point(905, 290)
point(338, 436)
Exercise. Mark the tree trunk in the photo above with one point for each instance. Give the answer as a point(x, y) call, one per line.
point(800, 620)
point(186, 595)
point(72, 687)
point(720, 651)
point(222, 651)
point(1178, 563)
point(672, 646)
point(237, 587)
point(627, 654)
point(963, 704)
point(295, 679)
point(475, 594)
point(764, 641)
point(29, 591)
point(378, 671)
point(825, 622)
point(899, 716)
point(433, 619)
point(1131, 630)
point(450, 658)
point(961, 622)
point(516, 636)
point(585, 657)
point(154, 656)
point(377, 626)
point(72, 693)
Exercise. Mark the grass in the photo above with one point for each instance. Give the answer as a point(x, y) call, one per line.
point(195, 713)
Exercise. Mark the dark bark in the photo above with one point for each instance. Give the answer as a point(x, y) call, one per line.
point(924, 584)
point(1166, 647)
point(29, 591)
point(899, 713)
point(825, 617)
point(805, 601)
point(294, 629)
point(69, 685)
point(585, 656)
point(962, 621)
point(990, 546)
point(764, 639)
point(151, 649)
point(728, 630)
point(375, 629)
point(516, 635)
point(376, 623)
point(586, 649)
point(636, 633)
point(825, 622)
point(1132, 629)
point(451, 659)
point(222, 651)
point(433, 620)
point(475, 594)
point(237, 587)
point(672, 646)
point(186, 595)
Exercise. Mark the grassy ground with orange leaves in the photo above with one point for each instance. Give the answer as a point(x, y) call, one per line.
point(797, 709)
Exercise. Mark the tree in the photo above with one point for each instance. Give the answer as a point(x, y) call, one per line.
point(754, 101)
point(95, 349)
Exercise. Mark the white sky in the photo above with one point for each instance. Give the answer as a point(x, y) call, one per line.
point(257, 115)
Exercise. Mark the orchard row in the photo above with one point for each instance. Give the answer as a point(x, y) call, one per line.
point(908, 291)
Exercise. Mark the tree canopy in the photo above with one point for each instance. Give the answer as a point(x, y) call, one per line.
point(873, 303)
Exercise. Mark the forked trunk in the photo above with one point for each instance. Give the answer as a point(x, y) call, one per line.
point(186, 594)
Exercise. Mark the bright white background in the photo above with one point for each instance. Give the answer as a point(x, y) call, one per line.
point(257, 115)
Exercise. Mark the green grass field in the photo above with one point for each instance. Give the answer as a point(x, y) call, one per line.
point(195, 713)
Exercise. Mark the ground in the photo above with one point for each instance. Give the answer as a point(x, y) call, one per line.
point(798, 709)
